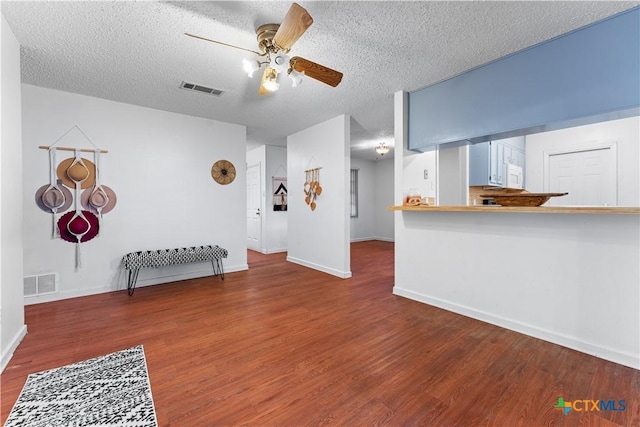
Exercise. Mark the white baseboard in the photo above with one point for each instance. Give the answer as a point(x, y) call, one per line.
point(274, 251)
point(328, 270)
point(597, 350)
point(361, 239)
point(158, 280)
point(368, 239)
point(7, 353)
point(58, 296)
point(142, 282)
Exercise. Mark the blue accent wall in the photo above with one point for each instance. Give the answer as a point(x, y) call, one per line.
point(588, 75)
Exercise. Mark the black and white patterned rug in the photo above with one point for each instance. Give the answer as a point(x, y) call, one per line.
point(110, 390)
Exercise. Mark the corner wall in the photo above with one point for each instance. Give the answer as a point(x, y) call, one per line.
point(159, 165)
point(12, 327)
point(320, 239)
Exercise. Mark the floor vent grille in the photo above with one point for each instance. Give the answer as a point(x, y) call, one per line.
point(202, 89)
point(41, 284)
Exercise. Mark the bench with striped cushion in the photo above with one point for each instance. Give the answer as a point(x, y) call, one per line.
point(134, 261)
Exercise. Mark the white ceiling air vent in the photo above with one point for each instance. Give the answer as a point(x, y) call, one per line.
point(201, 89)
point(41, 284)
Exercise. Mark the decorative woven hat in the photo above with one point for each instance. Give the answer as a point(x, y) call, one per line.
point(71, 171)
point(98, 199)
point(75, 227)
point(49, 198)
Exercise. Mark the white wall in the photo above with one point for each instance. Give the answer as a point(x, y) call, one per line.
point(453, 171)
point(383, 183)
point(12, 327)
point(276, 233)
point(624, 132)
point(273, 161)
point(570, 279)
point(414, 165)
point(159, 165)
point(375, 180)
point(363, 227)
point(320, 239)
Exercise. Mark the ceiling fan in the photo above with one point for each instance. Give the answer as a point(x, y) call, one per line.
point(275, 42)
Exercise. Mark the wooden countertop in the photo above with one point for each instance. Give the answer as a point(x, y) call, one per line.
point(534, 209)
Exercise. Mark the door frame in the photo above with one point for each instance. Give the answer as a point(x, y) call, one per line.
point(262, 207)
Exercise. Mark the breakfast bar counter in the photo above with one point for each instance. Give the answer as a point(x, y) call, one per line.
point(570, 276)
point(522, 209)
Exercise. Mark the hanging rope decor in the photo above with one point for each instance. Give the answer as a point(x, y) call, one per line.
point(312, 188)
point(75, 173)
point(53, 197)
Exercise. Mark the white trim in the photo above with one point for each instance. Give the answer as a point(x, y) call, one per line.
point(11, 348)
point(369, 239)
point(262, 188)
point(328, 270)
point(437, 171)
point(362, 239)
point(122, 284)
point(274, 251)
point(385, 239)
point(603, 352)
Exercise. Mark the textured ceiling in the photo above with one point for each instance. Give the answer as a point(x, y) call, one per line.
point(136, 52)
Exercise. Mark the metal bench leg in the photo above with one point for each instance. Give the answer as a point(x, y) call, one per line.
point(219, 260)
point(131, 282)
point(216, 263)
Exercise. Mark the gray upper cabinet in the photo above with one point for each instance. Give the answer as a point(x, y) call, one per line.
point(485, 163)
point(514, 150)
point(488, 160)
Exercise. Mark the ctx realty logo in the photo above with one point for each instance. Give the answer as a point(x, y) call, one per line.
point(588, 405)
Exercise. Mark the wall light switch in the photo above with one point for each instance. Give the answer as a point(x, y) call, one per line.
point(426, 174)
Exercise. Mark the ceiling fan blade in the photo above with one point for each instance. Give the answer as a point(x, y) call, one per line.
point(316, 71)
point(294, 25)
point(224, 44)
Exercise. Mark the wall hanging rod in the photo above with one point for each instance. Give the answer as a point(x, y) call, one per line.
point(84, 150)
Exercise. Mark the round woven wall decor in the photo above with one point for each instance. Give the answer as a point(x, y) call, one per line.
point(223, 172)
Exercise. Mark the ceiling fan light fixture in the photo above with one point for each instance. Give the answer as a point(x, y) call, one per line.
point(382, 148)
point(271, 81)
point(250, 67)
point(296, 78)
point(280, 62)
point(274, 44)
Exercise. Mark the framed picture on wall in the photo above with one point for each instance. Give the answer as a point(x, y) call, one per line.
point(279, 194)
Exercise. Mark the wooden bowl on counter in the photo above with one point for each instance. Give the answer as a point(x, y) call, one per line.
point(523, 199)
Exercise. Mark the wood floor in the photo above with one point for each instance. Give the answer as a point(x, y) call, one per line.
point(282, 345)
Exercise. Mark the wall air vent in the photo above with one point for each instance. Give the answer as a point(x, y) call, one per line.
point(41, 284)
point(201, 89)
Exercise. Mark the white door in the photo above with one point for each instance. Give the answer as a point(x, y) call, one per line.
point(589, 176)
point(254, 202)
